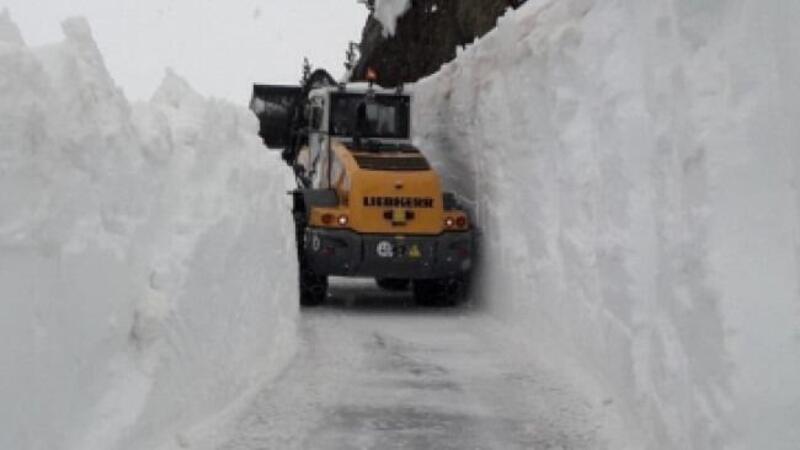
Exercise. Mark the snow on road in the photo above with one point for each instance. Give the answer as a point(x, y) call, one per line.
point(374, 372)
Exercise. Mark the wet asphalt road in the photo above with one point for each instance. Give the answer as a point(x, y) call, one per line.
point(375, 372)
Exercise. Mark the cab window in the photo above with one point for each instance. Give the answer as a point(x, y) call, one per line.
point(384, 116)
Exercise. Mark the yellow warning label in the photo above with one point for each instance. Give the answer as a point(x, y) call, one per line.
point(414, 252)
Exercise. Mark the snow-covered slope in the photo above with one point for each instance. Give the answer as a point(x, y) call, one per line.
point(136, 295)
point(388, 12)
point(635, 168)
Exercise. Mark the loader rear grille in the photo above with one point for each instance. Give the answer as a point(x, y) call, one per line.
point(391, 163)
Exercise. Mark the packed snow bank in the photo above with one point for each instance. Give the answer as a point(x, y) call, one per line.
point(146, 280)
point(388, 12)
point(636, 175)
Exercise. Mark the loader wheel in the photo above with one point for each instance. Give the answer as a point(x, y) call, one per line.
point(444, 292)
point(393, 284)
point(313, 287)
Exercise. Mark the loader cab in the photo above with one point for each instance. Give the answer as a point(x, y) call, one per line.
point(371, 116)
point(358, 116)
point(354, 111)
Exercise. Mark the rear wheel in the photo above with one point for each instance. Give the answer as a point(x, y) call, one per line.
point(393, 284)
point(439, 292)
point(313, 287)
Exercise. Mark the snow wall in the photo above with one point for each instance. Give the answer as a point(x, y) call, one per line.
point(147, 281)
point(635, 170)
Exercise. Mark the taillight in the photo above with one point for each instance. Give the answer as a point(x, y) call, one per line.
point(343, 220)
point(449, 222)
point(461, 222)
point(327, 219)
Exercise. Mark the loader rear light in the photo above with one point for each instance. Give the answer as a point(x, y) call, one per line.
point(371, 75)
point(461, 222)
point(449, 222)
point(343, 220)
point(327, 219)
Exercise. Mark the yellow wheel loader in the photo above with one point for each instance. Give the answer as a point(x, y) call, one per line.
point(367, 202)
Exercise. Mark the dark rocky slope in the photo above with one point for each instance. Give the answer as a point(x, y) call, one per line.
point(427, 36)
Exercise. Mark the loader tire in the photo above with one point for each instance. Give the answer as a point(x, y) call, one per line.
point(313, 288)
point(393, 284)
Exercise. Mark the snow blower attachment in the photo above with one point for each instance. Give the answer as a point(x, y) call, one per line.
point(274, 105)
point(367, 203)
point(281, 113)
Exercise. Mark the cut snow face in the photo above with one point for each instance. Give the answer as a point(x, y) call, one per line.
point(388, 12)
point(635, 167)
point(141, 262)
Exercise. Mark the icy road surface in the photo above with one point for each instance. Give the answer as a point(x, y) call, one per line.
point(374, 372)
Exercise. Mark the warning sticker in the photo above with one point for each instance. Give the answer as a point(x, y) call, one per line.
point(385, 249)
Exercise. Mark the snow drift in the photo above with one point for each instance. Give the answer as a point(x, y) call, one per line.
point(634, 167)
point(136, 295)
